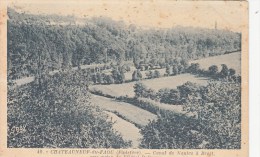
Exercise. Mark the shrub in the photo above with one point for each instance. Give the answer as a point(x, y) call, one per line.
point(142, 91)
point(213, 70)
point(220, 110)
point(215, 122)
point(156, 74)
point(172, 132)
point(149, 74)
point(169, 96)
point(58, 114)
point(136, 75)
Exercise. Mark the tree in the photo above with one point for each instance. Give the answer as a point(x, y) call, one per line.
point(185, 64)
point(156, 74)
point(161, 63)
point(224, 71)
point(60, 116)
point(163, 95)
point(139, 74)
point(219, 110)
point(149, 74)
point(194, 68)
point(172, 131)
point(168, 70)
point(174, 97)
point(100, 78)
point(139, 89)
point(116, 75)
point(213, 70)
point(175, 70)
point(110, 79)
point(94, 78)
point(121, 76)
point(72, 45)
point(232, 72)
point(188, 89)
point(134, 76)
point(180, 69)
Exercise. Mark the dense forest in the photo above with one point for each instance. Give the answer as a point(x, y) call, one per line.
point(44, 43)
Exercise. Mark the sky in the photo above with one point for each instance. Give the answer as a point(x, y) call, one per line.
point(148, 13)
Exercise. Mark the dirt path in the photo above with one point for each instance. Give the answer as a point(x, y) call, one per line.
point(128, 130)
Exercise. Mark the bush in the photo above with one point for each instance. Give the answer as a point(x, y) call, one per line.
point(149, 74)
point(215, 122)
point(58, 114)
point(169, 96)
point(156, 74)
point(142, 91)
point(172, 132)
point(136, 76)
point(220, 110)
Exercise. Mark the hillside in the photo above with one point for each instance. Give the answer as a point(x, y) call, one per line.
point(36, 46)
point(232, 60)
point(117, 90)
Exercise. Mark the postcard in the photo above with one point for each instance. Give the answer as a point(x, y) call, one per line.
point(121, 78)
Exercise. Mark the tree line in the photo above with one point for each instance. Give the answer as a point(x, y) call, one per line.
point(35, 45)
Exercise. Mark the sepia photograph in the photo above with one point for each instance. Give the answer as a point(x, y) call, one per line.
point(127, 76)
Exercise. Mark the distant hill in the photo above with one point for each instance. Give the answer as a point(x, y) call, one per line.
point(40, 43)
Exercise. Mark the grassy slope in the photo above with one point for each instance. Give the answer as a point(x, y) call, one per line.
point(156, 84)
point(232, 60)
point(130, 112)
point(128, 130)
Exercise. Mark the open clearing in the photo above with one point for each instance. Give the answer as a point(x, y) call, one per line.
point(129, 112)
point(232, 60)
point(117, 90)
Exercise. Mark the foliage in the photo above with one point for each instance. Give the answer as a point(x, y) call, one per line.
point(156, 74)
point(215, 122)
point(194, 68)
point(169, 96)
point(172, 132)
point(149, 74)
point(224, 71)
point(118, 75)
point(213, 70)
point(168, 70)
point(142, 91)
point(219, 108)
point(58, 114)
point(37, 40)
point(137, 75)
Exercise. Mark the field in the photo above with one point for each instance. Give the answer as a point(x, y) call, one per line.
point(117, 90)
point(232, 60)
point(130, 112)
point(128, 130)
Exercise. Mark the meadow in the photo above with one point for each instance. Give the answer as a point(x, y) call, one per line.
point(126, 89)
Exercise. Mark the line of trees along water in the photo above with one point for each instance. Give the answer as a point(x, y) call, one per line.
point(39, 44)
